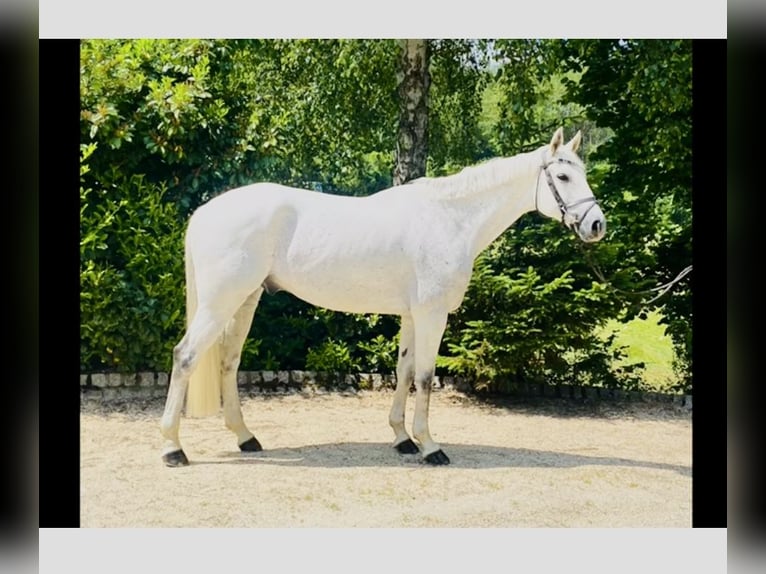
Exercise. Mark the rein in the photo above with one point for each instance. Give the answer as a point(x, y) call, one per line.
point(660, 289)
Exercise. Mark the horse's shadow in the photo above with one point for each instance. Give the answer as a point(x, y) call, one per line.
point(358, 454)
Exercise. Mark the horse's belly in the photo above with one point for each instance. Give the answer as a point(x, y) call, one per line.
point(347, 292)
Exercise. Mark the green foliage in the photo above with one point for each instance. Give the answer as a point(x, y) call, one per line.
point(380, 354)
point(204, 116)
point(641, 91)
point(131, 275)
point(286, 327)
point(168, 109)
point(645, 340)
point(330, 106)
point(524, 68)
point(331, 357)
point(458, 81)
point(514, 326)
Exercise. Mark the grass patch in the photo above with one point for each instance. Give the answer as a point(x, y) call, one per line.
point(646, 342)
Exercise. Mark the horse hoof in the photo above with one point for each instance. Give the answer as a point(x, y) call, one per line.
point(437, 458)
point(407, 447)
point(175, 458)
point(251, 445)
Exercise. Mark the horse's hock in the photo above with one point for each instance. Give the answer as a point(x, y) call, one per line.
point(146, 385)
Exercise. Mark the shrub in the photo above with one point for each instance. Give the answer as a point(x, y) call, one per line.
point(380, 354)
point(331, 357)
point(131, 275)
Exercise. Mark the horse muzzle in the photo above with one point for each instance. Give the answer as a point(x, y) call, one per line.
point(592, 227)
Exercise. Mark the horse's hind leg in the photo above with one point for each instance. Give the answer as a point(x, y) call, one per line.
point(405, 373)
point(233, 338)
point(205, 328)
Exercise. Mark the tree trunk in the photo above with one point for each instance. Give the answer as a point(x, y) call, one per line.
point(412, 139)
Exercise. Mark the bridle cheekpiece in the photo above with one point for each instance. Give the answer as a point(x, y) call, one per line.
point(574, 220)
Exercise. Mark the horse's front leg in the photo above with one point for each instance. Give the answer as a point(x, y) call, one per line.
point(429, 329)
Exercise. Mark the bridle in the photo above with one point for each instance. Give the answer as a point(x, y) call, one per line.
point(574, 219)
point(660, 290)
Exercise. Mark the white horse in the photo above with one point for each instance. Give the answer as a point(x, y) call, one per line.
point(408, 251)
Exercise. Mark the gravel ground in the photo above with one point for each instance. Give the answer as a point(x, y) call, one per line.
point(328, 463)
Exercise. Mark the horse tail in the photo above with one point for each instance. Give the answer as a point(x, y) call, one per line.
point(203, 398)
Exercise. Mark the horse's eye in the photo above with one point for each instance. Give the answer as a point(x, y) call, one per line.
point(563, 177)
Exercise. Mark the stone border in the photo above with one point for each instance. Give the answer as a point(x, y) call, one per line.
point(146, 385)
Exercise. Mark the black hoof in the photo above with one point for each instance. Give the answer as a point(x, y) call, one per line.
point(407, 447)
point(175, 458)
point(251, 445)
point(437, 458)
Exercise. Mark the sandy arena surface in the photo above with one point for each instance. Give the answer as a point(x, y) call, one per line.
point(328, 463)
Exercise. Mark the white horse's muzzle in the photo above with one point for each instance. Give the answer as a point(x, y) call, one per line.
point(592, 226)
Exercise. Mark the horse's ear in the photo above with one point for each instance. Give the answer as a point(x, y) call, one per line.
point(557, 140)
point(574, 143)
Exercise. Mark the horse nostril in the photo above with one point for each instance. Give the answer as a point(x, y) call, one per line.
point(596, 227)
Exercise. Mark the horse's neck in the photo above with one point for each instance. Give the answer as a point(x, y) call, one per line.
point(490, 197)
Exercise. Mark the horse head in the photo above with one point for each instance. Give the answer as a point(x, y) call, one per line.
point(562, 191)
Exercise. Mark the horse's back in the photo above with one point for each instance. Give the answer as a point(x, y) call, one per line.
point(250, 203)
point(277, 209)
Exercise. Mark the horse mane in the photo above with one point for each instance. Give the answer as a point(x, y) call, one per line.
point(486, 175)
